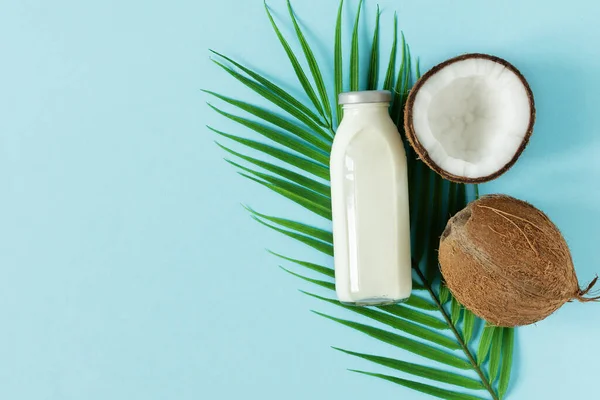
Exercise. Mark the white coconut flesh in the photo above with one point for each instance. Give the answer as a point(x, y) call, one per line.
point(472, 116)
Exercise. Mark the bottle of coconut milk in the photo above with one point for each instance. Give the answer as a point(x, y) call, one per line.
point(369, 193)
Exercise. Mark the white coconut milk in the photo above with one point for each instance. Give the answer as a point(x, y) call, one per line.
point(369, 190)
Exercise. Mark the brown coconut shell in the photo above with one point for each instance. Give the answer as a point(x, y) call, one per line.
point(422, 152)
point(504, 260)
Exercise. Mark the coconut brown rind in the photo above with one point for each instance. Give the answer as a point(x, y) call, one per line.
point(422, 152)
point(507, 262)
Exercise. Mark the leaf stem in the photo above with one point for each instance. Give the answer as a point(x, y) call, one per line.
point(460, 340)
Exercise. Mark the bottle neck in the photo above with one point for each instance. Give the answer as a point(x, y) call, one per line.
point(351, 110)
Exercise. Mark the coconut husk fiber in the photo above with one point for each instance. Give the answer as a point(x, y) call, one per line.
point(504, 259)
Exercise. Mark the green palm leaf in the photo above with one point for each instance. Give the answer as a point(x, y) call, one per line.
point(419, 302)
point(415, 315)
point(295, 177)
point(307, 194)
point(456, 310)
point(306, 165)
point(312, 64)
point(444, 294)
point(452, 198)
point(302, 78)
point(469, 321)
point(461, 192)
point(285, 139)
point(310, 231)
point(435, 230)
point(278, 121)
point(338, 61)
point(374, 66)
point(301, 143)
point(277, 96)
point(397, 103)
point(324, 248)
point(389, 75)
point(422, 212)
point(485, 343)
point(397, 323)
point(495, 354)
point(419, 370)
point(312, 266)
point(404, 343)
point(325, 284)
point(291, 192)
point(506, 366)
point(354, 68)
point(423, 388)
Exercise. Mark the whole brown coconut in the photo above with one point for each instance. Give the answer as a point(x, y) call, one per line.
point(507, 262)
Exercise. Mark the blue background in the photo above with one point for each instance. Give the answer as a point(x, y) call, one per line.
point(128, 268)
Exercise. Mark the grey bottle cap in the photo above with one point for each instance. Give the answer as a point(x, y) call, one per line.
point(365, 96)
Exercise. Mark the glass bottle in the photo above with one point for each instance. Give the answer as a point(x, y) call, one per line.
point(369, 193)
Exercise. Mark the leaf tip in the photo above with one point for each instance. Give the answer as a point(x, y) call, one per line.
point(272, 252)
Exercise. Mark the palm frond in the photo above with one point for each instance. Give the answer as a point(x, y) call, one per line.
point(506, 365)
point(419, 302)
point(313, 65)
point(485, 343)
point(278, 121)
point(495, 354)
point(285, 139)
point(354, 53)
point(297, 169)
point(397, 323)
point(444, 294)
point(324, 284)
point(404, 343)
point(312, 266)
point(300, 162)
point(310, 241)
point(389, 75)
point(419, 370)
point(302, 78)
point(338, 61)
point(422, 318)
point(469, 321)
point(397, 103)
point(435, 229)
point(422, 213)
point(292, 192)
point(423, 388)
point(456, 310)
point(276, 95)
point(299, 227)
point(373, 77)
point(285, 173)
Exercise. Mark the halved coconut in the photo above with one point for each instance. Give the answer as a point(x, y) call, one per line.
point(469, 118)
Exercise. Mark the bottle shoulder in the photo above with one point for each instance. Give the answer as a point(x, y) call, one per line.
point(382, 131)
